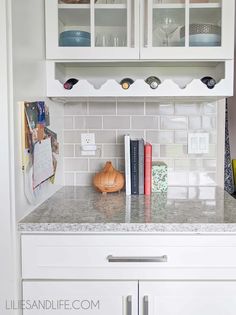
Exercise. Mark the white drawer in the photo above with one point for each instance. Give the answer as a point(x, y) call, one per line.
point(131, 256)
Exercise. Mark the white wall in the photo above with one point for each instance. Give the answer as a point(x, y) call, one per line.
point(29, 82)
point(7, 264)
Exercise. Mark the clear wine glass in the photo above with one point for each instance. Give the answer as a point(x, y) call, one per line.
point(168, 26)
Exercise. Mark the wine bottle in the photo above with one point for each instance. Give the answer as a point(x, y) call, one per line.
point(125, 83)
point(153, 82)
point(209, 81)
point(68, 85)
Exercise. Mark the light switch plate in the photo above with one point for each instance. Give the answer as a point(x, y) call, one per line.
point(198, 143)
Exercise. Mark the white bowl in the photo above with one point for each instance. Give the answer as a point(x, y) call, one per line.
point(204, 40)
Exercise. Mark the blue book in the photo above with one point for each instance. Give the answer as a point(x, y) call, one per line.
point(134, 166)
point(141, 166)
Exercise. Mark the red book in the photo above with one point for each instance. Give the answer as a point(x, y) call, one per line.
point(147, 169)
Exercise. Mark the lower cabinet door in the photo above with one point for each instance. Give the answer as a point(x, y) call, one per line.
point(80, 297)
point(187, 298)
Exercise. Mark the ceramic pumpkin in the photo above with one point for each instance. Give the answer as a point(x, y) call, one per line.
point(109, 179)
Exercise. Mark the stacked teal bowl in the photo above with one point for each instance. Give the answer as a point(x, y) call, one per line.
point(75, 38)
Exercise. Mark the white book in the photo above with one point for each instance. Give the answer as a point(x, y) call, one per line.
point(127, 165)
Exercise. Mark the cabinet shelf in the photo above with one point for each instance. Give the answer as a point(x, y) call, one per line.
point(102, 80)
point(87, 6)
point(191, 6)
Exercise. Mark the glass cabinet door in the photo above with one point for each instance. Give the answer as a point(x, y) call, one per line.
point(92, 29)
point(205, 23)
point(187, 29)
point(167, 19)
point(74, 23)
point(111, 23)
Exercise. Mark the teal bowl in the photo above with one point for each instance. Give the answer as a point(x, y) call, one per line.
point(74, 42)
point(75, 33)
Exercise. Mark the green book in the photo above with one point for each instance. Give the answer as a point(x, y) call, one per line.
point(159, 177)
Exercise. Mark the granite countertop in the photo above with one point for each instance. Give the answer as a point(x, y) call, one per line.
point(182, 209)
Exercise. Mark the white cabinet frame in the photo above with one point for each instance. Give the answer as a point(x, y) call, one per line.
point(225, 51)
point(54, 51)
point(139, 22)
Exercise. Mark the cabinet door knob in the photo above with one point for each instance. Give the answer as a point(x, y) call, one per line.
point(129, 305)
point(145, 305)
point(137, 259)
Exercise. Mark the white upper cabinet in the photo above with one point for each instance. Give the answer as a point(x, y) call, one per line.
point(140, 29)
point(187, 29)
point(92, 29)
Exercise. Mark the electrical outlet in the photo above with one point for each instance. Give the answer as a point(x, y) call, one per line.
point(88, 146)
point(87, 139)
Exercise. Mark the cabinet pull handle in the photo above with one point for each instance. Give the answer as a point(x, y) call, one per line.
point(129, 305)
point(137, 259)
point(145, 305)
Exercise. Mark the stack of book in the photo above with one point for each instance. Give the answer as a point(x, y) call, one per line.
point(138, 166)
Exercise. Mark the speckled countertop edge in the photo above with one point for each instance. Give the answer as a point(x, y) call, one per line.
point(127, 227)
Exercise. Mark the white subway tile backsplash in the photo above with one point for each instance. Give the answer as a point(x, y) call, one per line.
point(104, 136)
point(69, 150)
point(195, 165)
point(208, 122)
point(181, 164)
point(88, 122)
point(75, 164)
point(174, 122)
point(155, 151)
point(116, 122)
point(68, 122)
point(84, 179)
point(173, 151)
point(76, 108)
point(213, 137)
point(180, 193)
point(161, 137)
point(209, 165)
point(164, 124)
point(121, 165)
point(181, 137)
point(178, 178)
point(102, 107)
point(202, 179)
point(195, 122)
point(73, 136)
point(209, 108)
point(113, 150)
point(154, 108)
point(187, 109)
point(193, 178)
point(208, 193)
point(207, 179)
point(144, 122)
point(130, 108)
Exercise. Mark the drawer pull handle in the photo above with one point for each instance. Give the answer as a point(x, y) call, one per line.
point(145, 305)
point(137, 259)
point(129, 305)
